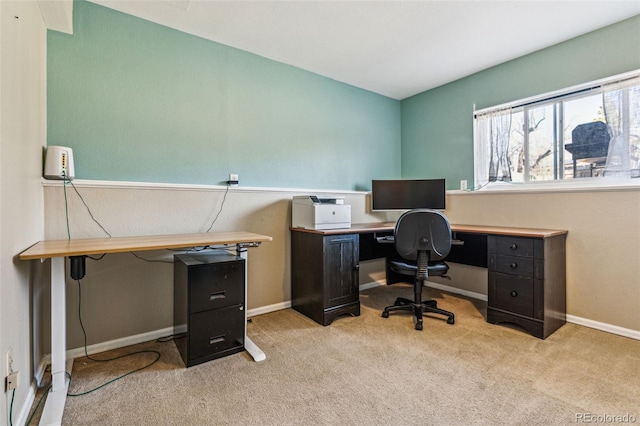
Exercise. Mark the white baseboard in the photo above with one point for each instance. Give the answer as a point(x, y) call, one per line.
point(431, 284)
point(459, 291)
point(120, 343)
point(372, 284)
point(613, 329)
point(270, 308)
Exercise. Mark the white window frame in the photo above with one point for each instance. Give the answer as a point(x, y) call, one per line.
point(557, 185)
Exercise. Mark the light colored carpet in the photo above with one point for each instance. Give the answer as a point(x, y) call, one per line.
point(374, 371)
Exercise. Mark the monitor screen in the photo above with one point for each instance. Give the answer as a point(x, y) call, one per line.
point(407, 194)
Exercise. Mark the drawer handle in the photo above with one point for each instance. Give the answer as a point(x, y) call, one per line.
point(514, 265)
point(513, 246)
point(514, 293)
point(218, 295)
point(216, 339)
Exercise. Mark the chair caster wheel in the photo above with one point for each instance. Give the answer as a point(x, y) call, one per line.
point(418, 326)
point(385, 314)
point(450, 320)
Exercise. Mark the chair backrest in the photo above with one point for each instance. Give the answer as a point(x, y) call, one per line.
point(423, 230)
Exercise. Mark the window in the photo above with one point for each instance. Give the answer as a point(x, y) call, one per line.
point(583, 132)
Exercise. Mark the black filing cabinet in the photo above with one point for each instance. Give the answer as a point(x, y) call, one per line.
point(527, 283)
point(324, 275)
point(208, 306)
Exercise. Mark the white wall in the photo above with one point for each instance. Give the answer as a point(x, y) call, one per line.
point(22, 137)
point(124, 296)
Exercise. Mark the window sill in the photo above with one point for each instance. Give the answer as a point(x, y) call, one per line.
point(586, 185)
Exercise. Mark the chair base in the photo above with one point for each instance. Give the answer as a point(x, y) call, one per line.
point(429, 306)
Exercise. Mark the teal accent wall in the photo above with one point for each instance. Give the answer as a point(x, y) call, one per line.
point(137, 101)
point(437, 125)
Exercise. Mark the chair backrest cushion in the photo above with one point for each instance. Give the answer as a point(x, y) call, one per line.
point(423, 229)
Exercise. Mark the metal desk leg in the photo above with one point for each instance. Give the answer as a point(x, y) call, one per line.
point(255, 352)
point(54, 405)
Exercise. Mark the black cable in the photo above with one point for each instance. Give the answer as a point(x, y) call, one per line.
point(13, 395)
point(85, 204)
point(97, 258)
point(221, 205)
point(196, 249)
point(150, 260)
point(481, 186)
point(84, 332)
point(171, 338)
point(46, 392)
point(183, 251)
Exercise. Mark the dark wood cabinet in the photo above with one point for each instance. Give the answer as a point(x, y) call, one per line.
point(209, 293)
point(527, 284)
point(324, 275)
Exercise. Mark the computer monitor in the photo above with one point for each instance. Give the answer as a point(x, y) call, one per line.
point(407, 194)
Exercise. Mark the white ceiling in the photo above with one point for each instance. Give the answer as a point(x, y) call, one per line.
point(391, 47)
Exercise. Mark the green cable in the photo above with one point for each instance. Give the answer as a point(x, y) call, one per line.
point(84, 332)
point(35, 409)
point(66, 206)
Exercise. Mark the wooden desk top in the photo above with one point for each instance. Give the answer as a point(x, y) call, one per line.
point(361, 228)
point(79, 247)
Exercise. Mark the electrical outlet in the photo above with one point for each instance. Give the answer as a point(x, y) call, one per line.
point(233, 180)
point(463, 185)
point(10, 360)
point(11, 382)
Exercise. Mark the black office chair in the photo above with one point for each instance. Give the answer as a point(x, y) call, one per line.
point(424, 236)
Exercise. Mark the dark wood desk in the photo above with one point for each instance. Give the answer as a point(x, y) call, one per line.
point(526, 271)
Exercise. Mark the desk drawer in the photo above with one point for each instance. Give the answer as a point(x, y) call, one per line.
point(513, 265)
point(512, 293)
point(512, 246)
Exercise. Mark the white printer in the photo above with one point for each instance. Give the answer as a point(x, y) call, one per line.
point(314, 212)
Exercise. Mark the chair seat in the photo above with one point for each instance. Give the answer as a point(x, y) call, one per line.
point(405, 268)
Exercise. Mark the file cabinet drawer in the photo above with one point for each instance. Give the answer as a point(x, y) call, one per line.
point(210, 287)
point(217, 333)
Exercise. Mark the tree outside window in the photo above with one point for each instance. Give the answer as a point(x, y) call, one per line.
point(590, 133)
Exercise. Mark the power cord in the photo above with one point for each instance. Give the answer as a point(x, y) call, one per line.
point(221, 205)
point(165, 339)
point(13, 395)
point(69, 181)
point(481, 186)
point(35, 409)
point(84, 332)
point(183, 251)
